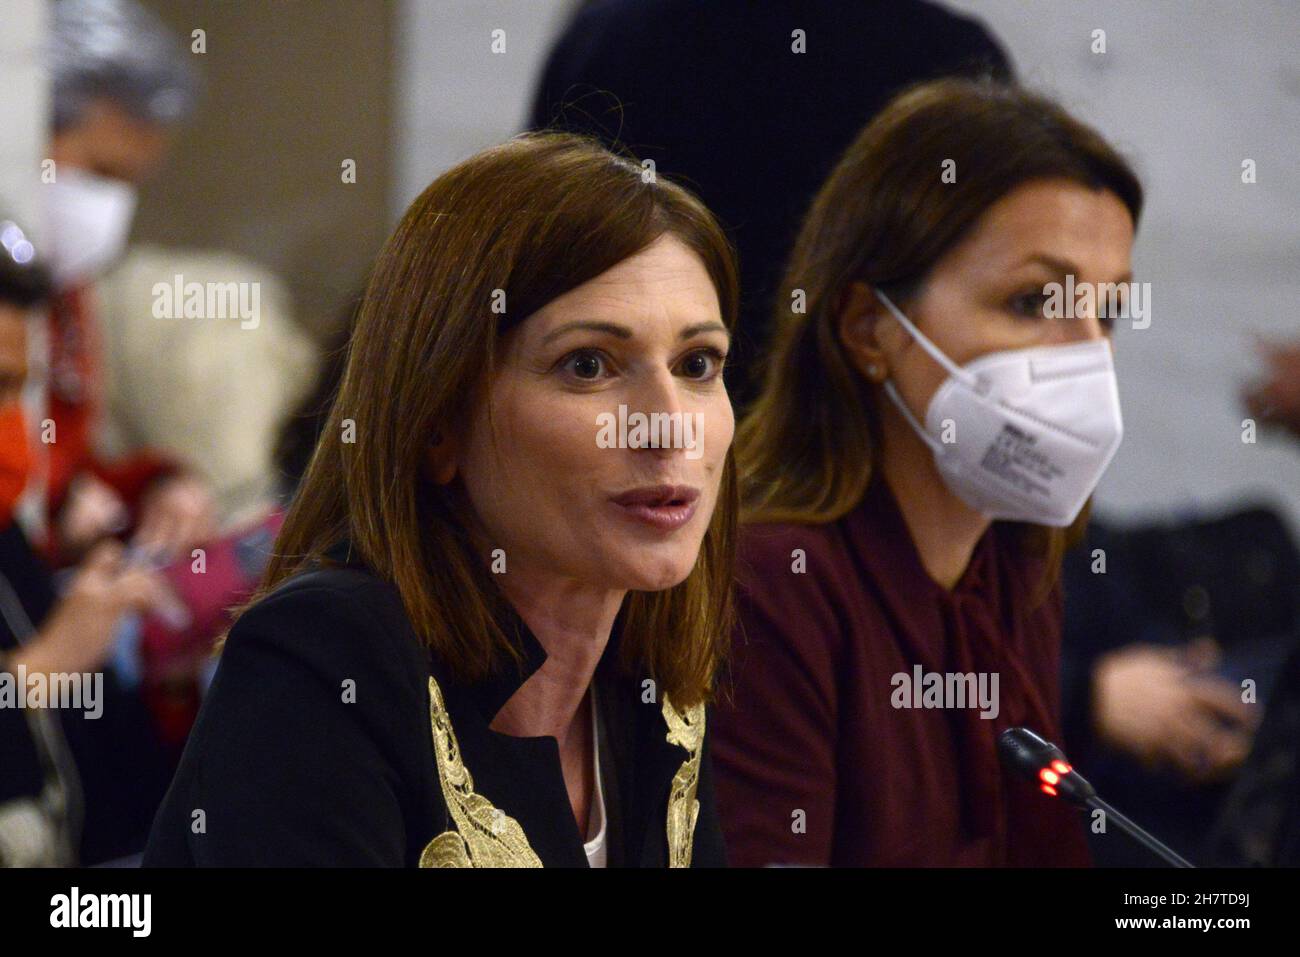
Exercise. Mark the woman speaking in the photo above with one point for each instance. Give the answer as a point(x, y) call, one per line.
point(932, 421)
point(493, 615)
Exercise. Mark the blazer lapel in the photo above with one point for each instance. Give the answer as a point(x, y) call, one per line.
point(652, 763)
point(521, 777)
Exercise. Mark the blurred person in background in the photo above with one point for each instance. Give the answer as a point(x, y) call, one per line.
point(121, 83)
point(1157, 651)
point(213, 391)
point(165, 424)
point(1164, 623)
point(730, 100)
point(41, 799)
point(1275, 398)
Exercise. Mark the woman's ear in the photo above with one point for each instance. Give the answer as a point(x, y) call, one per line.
point(440, 459)
point(856, 322)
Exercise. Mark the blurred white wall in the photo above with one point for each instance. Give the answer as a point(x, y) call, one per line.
point(1188, 89)
point(454, 95)
point(23, 109)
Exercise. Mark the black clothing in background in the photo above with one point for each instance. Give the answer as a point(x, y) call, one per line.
point(287, 773)
point(21, 772)
point(122, 766)
point(712, 92)
point(1235, 578)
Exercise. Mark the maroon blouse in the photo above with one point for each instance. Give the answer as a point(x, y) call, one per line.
point(806, 722)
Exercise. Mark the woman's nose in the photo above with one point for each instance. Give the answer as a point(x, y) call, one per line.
point(658, 392)
point(659, 398)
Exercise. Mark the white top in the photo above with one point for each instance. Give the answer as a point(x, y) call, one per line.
point(595, 847)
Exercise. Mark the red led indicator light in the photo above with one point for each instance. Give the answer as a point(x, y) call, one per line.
point(1060, 767)
point(1049, 777)
point(1048, 789)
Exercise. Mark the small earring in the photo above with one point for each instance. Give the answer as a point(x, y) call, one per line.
point(873, 370)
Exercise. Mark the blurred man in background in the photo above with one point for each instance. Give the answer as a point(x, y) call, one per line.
point(121, 83)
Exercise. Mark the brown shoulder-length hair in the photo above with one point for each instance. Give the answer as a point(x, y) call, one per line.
point(884, 218)
point(520, 224)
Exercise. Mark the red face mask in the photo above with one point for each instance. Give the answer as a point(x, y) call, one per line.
point(15, 459)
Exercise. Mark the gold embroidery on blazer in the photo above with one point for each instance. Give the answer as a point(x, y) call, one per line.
point(484, 836)
point(687, 730)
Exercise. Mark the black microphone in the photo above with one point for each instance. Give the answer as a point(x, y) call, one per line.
point(1042, 762)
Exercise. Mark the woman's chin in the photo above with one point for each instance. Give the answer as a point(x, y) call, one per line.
point(650, 575)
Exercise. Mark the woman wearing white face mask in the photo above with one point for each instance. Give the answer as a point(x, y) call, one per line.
point(925, 436)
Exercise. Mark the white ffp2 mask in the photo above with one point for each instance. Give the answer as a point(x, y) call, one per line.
point(89, 217)
point(1031, 430)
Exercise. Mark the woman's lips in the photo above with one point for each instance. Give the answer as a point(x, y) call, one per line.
point(662, 507)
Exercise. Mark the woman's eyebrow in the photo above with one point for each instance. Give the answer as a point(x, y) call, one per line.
point(701, 327)
point(623, 332)
point(1061, 267)
point(610, 328)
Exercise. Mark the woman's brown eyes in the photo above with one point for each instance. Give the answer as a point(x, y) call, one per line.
point(703, 364)
point(1029, 304)
point(1034, 305)
point(589, 365)
point(585, 365)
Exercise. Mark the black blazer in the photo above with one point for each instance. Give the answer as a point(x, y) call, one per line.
point(332, 736)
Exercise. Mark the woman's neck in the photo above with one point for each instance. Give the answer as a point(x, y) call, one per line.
point(944, 529)
point(572, 622)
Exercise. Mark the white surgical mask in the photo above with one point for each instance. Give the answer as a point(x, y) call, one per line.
point(1030, 431)
point(89, 217)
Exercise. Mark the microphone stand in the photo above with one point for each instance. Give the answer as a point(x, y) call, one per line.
point(1033, 757)
point(1146, 839)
